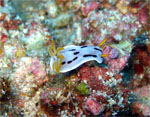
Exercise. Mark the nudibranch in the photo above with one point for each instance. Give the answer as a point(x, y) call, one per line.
point(67, 58)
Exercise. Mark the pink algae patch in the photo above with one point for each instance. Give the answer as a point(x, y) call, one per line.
point(93, 106)
point(116, 65)
point(144, 91)
point(142, 16)
point(142, 105)
point(143, 108)
point(90, 6)
point(37, 68)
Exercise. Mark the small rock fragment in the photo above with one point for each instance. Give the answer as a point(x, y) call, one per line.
point(93, 106)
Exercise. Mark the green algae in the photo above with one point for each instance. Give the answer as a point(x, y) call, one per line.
point(123, 47)
point(82, 89)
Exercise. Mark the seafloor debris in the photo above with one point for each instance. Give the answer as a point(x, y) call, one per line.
point(118, 86)
point(142, 105)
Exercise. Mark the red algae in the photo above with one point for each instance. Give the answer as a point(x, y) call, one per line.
point(11, 25)
point(148, 48)
point(142, 15)
point(97, 81)
point(2, 17)
point(141, 68)
point(138, 69)
point(141, 106)
point(1, 3)
point(27, 85)
point(3, 38)
point(89, 7)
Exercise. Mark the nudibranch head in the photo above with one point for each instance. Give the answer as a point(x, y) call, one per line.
point(70, 57)
point(56, 57)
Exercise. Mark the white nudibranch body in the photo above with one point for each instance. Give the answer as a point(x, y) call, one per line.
point(67, 58)
point(74, 56)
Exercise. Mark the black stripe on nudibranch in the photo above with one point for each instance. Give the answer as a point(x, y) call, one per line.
point(98, 49)
point(72, 50)
point(89, 55)
point(69, 62)
point(84, 46)
point(75, 53)
point(74, 58)
point(63, 62)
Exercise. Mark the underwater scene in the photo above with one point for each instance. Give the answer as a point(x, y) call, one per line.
point(74, 58)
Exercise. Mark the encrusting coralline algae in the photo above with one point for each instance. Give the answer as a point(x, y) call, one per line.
point(118, 85)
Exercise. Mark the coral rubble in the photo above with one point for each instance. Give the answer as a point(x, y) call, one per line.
point(120, 86)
